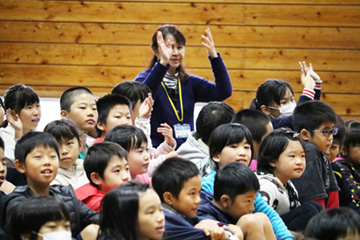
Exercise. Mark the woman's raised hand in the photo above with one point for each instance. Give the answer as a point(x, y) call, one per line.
point(208, 42)
point(165, 49)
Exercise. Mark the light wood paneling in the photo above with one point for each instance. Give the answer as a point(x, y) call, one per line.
point(95, 76)
point(53, 45)
point(235, 58)
point(182, 13)
point(139, 34)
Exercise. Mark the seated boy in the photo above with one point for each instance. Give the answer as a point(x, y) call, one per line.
point(37, 156)
point(195, 148)
point(5, 186)
point(71, 170)
point(113, 110)
point(178, 184)
point(233, 143)
point(78, 104)
point(259, 125)
point(235, 190)
point(315, 120)
point(106, 167)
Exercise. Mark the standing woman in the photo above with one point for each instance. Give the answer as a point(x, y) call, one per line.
point(175, 92)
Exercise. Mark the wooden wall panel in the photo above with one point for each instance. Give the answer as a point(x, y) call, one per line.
point(53, 45)
point(138, 34)
point(109, 76)
point(182, 13)
point(121, 55)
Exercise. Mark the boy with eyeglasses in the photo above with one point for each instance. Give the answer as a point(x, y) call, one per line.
point(315, 121)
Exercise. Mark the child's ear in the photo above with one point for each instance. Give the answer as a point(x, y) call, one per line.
point(20, 167)
point(100, 126)
point(216, 158)
point(63, 113)
point(343, 151)
point(225, 201)
point(305, 134)
point(168, 198)
point(95, 178)
point(265, 109)
point(272, 164)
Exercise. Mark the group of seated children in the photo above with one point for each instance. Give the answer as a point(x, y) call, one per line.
point(235, 177)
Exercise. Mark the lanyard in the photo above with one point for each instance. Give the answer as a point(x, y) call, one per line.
point(172, 104)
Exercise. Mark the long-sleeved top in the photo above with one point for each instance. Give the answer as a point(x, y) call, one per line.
point(276, 194)
point(74, 175)
point(348, 179)
point(318, 179)
point(178, 227)
point(195, 89)
point(279, 227)
point(80, 214)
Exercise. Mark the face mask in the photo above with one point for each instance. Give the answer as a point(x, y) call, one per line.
point(287, 110)
point(59, 235)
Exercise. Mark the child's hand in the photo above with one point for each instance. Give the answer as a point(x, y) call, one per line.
point(208, 42)
point(211, 229)
point(167, 132)
point(313, 74)
point(165, 49)
point(145, 108)
point(171, 154)
point(14, 120)
point(306, 79)
point(236, 230)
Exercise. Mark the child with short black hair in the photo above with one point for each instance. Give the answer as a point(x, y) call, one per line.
point(334, 224)
point(281, 158)
point(139, 95)
point(113, 110)
point(106, 168)
point(235, 189)
point(314, 121)
point(233, 143)
point(178, 184)
point(71, 169)
point(347, 166)
point(78, 104)
point(259, 125)
point(37, 156)
point(195, 148)
point(40, 217)
point(134, 141)
point(131, 211)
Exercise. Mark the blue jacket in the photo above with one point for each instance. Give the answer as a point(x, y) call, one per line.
point(280, 229)
point(178, 227)
point(195, 89)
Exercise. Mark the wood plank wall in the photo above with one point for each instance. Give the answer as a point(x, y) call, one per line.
point(53, 45)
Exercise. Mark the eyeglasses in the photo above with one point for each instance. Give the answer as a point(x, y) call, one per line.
point(327, 133)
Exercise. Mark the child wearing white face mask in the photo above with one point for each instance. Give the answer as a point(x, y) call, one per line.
point(41, 217)
point(276, 97)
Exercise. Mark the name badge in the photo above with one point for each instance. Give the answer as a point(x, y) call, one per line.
point(182, 130)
